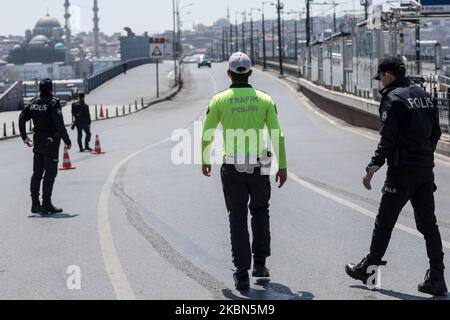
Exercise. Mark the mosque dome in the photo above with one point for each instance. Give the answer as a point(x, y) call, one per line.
point(60, 46)
point(48, 22)
point(39, 40)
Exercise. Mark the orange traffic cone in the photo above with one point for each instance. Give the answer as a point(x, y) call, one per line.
point(67, 165)
point(102, 114)
point(98, 148)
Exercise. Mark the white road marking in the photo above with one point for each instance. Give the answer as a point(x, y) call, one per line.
point(114, 269)
point(354, 206)
point(116, 274)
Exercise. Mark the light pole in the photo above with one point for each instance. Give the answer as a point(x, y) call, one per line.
point(243, 30)
point(334, 4)
point(264, 36)
point(273, 41)
point(224, 42)
point(179, 11)
point(280, 7)
point(174, 43)
point(231, 38)
point(237, 31)
point(252, 43)
point(296, 30)
point(365, 4)
point(308, 32)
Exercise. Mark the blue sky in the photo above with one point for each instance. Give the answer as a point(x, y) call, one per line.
point(141, 15)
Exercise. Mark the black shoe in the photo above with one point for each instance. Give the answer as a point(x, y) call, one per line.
point(82, 150)
point(50, 209)
point(359, 271)
point(88, 149)
point(241, 280)
point(434, 283)
point(260, 271)
point(36, 209)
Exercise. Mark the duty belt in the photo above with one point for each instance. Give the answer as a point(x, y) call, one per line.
point(247, 163)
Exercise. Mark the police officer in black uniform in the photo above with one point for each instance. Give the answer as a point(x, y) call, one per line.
point(49, 129)
point(82, 121)
point(410, 132)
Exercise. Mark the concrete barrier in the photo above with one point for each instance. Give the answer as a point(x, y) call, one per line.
point(354, 110)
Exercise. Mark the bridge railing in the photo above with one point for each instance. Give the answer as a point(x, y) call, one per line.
point(94, 81)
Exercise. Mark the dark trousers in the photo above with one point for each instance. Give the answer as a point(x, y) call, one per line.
point(45, 165)
point(403, 185)
point(243, 191)
point(87, 130)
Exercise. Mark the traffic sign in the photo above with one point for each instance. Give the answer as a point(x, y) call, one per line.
point(157, 48)
point(435, 6)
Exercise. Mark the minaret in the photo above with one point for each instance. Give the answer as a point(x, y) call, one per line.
point(96, 28)
point(68, 59)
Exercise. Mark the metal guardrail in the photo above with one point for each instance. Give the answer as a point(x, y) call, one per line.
point(443, 103)
point(94, 81)
point(442, 98)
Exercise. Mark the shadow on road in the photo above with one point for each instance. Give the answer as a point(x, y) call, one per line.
point(272, 291)
point(55, 216)
point(400, 295)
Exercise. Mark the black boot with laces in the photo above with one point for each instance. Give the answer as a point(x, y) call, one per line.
point(359, 271)
point(434, 283)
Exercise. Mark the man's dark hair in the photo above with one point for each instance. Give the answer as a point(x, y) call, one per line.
point(238, 77)
point(46, 86)
point(398, 73)
point(81, 95)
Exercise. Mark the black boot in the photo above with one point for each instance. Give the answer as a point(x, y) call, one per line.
point(88, 149)
point(241, 280)
point(49, 208)
point(434, 283)
point(359, 271)
point(260, 271)
point(36, 207)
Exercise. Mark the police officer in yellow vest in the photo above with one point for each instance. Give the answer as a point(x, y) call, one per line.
point(243, 113)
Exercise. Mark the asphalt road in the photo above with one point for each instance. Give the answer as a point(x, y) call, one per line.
point(139, 226)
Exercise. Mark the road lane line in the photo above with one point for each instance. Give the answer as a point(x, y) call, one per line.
point(439, 158)
point(354, 207)
point(116, 274)
point(114, 269)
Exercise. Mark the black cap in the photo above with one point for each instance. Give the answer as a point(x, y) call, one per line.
point(46, 86)
point(390, 63)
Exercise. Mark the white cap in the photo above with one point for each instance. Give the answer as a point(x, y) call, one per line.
point(240, 63)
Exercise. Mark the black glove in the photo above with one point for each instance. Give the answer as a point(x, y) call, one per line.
point(73, 127)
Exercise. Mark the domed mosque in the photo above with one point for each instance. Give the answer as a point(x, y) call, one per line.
point(44, 44)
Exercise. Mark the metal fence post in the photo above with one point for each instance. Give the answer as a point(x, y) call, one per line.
point(13, 129)
point(117, 111)
point(4, 130)
point(142, 102)
point(96, 113)
point(448, 110)
point(123, 110)
point(135, 102)
point(107, 113)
